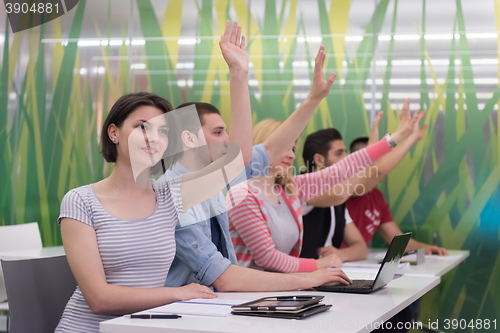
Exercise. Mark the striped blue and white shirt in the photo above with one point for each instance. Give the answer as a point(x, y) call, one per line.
point(134, 253)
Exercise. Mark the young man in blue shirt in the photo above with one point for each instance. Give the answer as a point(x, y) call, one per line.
point(204, 251)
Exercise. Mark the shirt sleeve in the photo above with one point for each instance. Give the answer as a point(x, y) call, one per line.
point(171, 187)
point(310, 185)
point(347, 217)
point(74, 207)
point(252, 226)
point(199, 253)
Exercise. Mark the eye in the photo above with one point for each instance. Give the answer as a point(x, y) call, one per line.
point(163, 132)
point(142, 127)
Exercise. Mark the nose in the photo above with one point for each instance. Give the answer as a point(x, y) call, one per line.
point(291, 154)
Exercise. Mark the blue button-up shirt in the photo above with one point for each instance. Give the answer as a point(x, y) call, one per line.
point(197, 259)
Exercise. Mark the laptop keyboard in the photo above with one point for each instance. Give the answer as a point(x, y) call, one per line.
point(357, 284)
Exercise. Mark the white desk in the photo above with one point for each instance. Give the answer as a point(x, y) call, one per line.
point(351, 313)
point(433, 266)
point(43, 252)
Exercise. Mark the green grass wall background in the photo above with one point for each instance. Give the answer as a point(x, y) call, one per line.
point(51, 111)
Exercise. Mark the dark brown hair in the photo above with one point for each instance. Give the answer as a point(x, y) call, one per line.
point(123, 107)
point(202, 109)
point(318, 143)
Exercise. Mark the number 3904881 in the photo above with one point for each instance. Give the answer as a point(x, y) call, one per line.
point(25, 8)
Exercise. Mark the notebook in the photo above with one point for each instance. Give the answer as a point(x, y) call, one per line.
point(384, 275)
point(213, 307)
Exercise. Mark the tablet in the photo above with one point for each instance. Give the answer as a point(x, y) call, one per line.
point(281, 303)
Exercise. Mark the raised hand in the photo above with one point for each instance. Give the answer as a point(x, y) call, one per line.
point(320, 88)
point(232, 46)
point(406, 123)
point(374, 134)
point(418, 133)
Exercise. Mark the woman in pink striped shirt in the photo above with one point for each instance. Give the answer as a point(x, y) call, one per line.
point(266, 224)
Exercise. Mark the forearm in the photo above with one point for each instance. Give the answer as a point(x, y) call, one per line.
point(237, 278)
point(414, 245)
point(281, 139)
point(119, 300)
point(356, 251)
point(241, 116)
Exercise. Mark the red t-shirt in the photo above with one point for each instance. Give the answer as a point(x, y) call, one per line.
point(368, 212)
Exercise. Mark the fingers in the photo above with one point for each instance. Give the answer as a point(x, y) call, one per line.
point(339, 275)
point(226, 31)
point(242, 46)
point(331, 79)
point(238, 36)
point(405, 111)
point(318, 64)
point(378, 117)
point(234, 31)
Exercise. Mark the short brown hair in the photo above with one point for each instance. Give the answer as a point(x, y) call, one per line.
point(202, 109)
point(123, 107)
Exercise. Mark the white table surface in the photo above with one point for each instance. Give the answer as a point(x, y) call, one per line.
point(433, 266)
point(43, 252)
point(350, 313)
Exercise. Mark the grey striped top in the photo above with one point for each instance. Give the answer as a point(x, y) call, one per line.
point(133, 253)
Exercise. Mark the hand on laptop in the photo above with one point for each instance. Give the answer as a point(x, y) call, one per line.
point(324, 275)
point(329, 260)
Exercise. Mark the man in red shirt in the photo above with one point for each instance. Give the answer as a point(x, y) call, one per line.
point(366, 204)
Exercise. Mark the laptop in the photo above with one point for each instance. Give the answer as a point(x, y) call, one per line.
point(385, 273)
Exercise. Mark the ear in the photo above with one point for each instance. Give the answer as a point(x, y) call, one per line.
point(189, 139)
point(319, 160)
point(113, 133)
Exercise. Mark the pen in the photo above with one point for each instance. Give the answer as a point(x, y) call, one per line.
point(155, 316)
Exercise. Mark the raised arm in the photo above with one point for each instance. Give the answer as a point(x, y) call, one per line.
point(372, 175)
point(277, 143)
point(232, 46)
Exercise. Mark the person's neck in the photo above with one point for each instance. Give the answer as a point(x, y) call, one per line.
point(265, 183)
point(191, 159)
point(122, 179)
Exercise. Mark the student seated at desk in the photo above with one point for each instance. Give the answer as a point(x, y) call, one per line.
point(369, 210)
point(326, 228)
point(204, 252)
point(266, 225)
point(118, 233)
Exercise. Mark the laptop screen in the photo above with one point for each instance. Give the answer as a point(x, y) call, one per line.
point(391, 260)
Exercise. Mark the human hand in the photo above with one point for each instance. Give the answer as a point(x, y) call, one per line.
point(329, 260)
point(320, 88)
point(374, 134)
point(418, 133)
point(232, 46)
point(194, 290)
point(324, 275)
point(326, 250)
point(433, 249)
point(406, 123)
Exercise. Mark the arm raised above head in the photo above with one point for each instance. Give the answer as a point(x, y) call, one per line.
point(279, 141)
point(232, 46)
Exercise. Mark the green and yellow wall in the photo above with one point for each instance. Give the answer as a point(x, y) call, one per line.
point(57, 84)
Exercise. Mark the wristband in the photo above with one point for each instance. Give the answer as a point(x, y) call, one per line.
point(390, 141)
